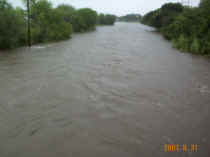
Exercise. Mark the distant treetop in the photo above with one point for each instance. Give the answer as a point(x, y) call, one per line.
point(130, 18)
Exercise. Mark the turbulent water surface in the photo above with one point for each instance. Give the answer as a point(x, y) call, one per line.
point(120, 91)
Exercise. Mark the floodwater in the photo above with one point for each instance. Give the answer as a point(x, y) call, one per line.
point(121, 91)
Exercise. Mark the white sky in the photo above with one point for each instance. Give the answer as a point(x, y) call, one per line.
point(117, 7)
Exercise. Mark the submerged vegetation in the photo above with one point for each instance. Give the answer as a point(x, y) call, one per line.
point(187, 27)
point(47, 23)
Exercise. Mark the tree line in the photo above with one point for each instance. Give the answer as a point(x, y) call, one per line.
point(130, 18)
point(47, 23)
point(106, 19)
point(187, 27)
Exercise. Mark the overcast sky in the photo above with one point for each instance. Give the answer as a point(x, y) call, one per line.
point(117, 7)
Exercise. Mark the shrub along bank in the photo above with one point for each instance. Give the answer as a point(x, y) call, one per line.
point(188, 28)
point(47, 23)
point(106, 19)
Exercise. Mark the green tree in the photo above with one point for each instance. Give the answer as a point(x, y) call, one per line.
point(84, 19)
point(12, 26)
point(49, 24)
point(188, 28)
point(66, 11)
point(107, 19)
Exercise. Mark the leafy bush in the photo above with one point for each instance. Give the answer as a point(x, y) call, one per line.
point(195, 46)
point(181, 43)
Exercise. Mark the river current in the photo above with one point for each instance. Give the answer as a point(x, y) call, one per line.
point(120, 91)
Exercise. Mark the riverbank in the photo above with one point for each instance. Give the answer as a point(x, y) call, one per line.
point(47, 24)
point(186, 27)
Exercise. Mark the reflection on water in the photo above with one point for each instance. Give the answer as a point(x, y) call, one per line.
point(118, 91)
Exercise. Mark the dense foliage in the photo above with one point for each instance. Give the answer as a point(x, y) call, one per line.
point(84, 20)
point(106, 19)
point(130, 18)
point(47, 23)
point(12, 26)
point(188, 28)
point(163, 16)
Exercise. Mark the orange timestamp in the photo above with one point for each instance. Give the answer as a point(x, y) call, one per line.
point(181, 148)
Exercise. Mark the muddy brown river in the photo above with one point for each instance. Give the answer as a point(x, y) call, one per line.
point(120, 91)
